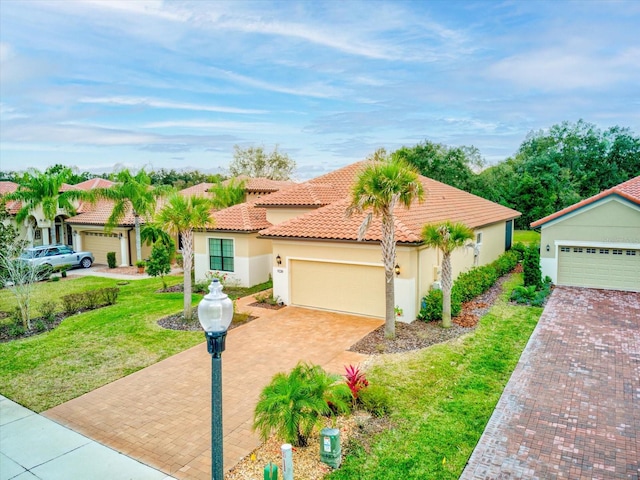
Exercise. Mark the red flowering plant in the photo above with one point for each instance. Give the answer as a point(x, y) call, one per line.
point(356, 380)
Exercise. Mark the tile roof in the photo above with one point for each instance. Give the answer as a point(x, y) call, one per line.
point(244, 217)
point(317, 192)
point(442, 202)
point(94, 183)
point(199, 190)
point(252, 185)
point(12, 205)
point(629, 190)
point(98, 213)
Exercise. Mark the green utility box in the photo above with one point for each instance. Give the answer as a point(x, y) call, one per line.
point(271, 472)
point(330, 450)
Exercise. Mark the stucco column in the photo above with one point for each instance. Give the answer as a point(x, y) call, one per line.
point(77, 241)
point(124, 251)
point(46, 238)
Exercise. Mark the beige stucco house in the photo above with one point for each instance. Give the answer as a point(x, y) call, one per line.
point(302, 238)
point(595, 243)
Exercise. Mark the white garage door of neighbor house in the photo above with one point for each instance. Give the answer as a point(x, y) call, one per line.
point(99, 243)
point(610, 268)
point(339, 287)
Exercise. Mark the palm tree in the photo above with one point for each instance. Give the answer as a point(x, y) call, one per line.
point(180, 216)
point(131, 192)
point(42, 190)
point(384, 183)
point(446, 237)
point(228, 194)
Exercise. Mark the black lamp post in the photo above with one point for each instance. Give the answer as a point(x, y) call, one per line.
point(215, 313)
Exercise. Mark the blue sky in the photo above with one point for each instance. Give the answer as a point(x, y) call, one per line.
point(95, 84)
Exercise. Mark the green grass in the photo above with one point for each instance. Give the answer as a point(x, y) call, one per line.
point(528, 237)
point(442, 398)
point(94, 348)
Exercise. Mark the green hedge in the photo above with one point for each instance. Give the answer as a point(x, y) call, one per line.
point(76, 302)
point(467, 286)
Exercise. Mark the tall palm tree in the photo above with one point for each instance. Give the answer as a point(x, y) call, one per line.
point(131, 192)
point(446, 237)
point(384, 183)
point(228, 194)
point(37, 189)
point(181, 215)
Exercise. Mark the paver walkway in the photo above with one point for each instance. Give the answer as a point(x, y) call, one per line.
point(161, 415)
point(572, 406)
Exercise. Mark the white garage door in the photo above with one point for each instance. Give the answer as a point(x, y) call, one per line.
point(339, 287)
point(99, 243)
point(610, 268)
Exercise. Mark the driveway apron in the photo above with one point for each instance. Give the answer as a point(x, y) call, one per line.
point(161, 415)
point(572, 406)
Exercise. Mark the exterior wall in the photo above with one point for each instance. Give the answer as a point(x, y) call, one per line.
point(493, 239)
point(252, 257)
point(612, 222)
point(279, 215)
point(130, 234)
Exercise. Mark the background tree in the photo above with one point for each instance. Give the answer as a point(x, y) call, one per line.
point(255, 162)
point(532, 274)
point(180, 216)
point(43, 190)
point(152, 232)
point(446, 237)
point(180, 179)
point(8, 233)
point(159, 263)
point(131, 192)
point(454, 166)
point(379, 188)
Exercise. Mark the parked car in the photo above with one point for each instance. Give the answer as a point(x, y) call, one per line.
point(56, 256)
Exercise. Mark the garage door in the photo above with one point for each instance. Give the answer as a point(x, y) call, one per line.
point(99, 243)
point(356, 289)
point(610, 268)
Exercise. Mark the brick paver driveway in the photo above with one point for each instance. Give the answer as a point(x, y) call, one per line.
point(572, 406)
point(161, 415)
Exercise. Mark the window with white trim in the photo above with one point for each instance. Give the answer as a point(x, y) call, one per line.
point(577, 249)
point(565, 249)
point(631, 252)
point(221, 254)
point(591, 250)
point(616, 251)
point(479, 238)
point(604, 251)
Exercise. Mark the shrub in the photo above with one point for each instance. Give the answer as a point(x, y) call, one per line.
point(92, 299)
point(505, 263)
point(159, 263)
point(519, 248)
point(522, 294)
point(40, 326)
point(475, 282)
point(267, 298)
point(48, 311)
point(292, 404)
point(110, 295)
point(531, 267)
point(16, 330)
point(72, 303)
point(356, 380)
point(375, 400)
point(431, 306)
point(111, 259)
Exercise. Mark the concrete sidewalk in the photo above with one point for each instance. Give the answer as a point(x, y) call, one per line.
point(34, 447)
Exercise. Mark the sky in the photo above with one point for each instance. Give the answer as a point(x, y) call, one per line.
point(101, 85)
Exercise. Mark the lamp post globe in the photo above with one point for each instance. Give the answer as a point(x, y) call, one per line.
point(215, 313)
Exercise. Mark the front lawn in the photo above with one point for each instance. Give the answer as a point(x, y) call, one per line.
point(94, 348)
point(442, 398)
point(528, 237)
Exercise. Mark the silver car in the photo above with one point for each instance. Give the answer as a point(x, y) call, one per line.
point(57, 255)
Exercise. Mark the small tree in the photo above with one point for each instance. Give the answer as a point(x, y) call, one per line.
point(159, 263)
point(531, 267)
point(254, 162)
point(19, 276)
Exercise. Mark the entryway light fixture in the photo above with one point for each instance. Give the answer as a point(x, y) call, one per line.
point(279, 260)
point(397, 270)
point(548, 248)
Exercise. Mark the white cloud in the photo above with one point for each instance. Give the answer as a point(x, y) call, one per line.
point(157, 103)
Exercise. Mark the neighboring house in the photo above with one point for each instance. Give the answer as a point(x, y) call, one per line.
point(596, 242)
point(311, 248)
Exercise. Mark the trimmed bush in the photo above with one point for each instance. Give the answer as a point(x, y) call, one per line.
point(532, 274)
point(111, 259)
point(431, 306)
point(519, 248)
point(75, 302)
point(505, 263)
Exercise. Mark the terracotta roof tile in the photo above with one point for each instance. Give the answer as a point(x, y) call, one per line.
point(629, 190)
point(199, 190)
point(244, 217)
point(317, 192)
point(94, 183)
point(98, 213)
point(442, 202)
point(261, 184)
point(9, 187)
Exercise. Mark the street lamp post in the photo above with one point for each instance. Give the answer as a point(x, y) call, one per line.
point(215, 313)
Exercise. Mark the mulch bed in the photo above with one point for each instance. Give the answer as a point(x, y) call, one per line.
point(417, 335)
point(268, 306)
point(177, 322)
